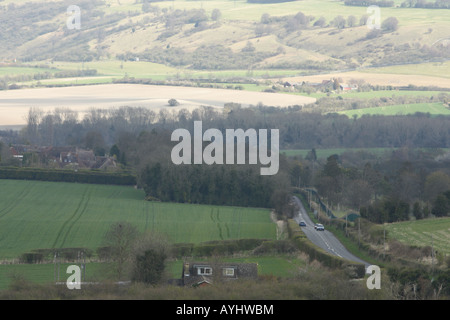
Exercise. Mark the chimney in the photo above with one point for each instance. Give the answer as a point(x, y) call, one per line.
point(186, 269)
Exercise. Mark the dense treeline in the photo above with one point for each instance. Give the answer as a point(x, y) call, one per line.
point(298, 130)
point(218, 185)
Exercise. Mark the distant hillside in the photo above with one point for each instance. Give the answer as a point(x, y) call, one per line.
point(223, 35)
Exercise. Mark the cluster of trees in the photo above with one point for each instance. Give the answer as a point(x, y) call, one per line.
point(268, 1)
point(134, 255)
point(205, 57)
point(388, 190)
point(425, 195)
point(437, 4)
point(230, 185)
point(366, 3)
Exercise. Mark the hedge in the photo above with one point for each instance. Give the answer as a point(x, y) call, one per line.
point(314, 252)
point(67, 254)
point(222, 247)
point(82, 176)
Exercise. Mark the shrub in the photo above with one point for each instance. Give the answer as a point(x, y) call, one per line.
point(390, 24)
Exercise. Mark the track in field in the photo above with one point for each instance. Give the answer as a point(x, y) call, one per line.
point(70, 222)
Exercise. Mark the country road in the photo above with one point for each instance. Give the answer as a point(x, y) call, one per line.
point(324, 239)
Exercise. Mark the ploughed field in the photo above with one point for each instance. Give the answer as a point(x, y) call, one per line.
point(15, 104)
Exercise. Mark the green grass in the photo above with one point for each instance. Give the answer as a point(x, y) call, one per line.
point(242, 10)
point(45, 273)
point(36, 214)
point(13, 71)
point(422, 233)
point(377, 152)
point(433, 69)
point(402, 109)
point(325, 153)
point(278, 266)
point(387, 94)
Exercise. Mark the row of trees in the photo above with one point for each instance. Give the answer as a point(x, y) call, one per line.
point(298, 130)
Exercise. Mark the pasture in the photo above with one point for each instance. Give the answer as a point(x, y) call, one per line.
point(268, 265)
point(427, 232)
point(36, 214)
point(402, 109)
point(325, 153)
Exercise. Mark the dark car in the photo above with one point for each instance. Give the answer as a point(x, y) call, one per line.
point(302, 224)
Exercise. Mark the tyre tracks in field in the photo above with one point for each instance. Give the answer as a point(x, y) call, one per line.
point(16, 200)
point(73, 219)
point(218, 222)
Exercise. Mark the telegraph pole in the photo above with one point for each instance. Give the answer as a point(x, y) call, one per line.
point(432, 255)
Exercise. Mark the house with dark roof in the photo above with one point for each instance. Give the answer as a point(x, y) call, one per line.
point(197, 274)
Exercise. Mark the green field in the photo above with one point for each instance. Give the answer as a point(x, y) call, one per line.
point(36, 214)
point(434, 69)
point(325, 153)
point(279, 266)
point(402, 109)
point(422, 233)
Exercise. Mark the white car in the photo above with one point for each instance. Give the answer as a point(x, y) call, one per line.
point(319, 227)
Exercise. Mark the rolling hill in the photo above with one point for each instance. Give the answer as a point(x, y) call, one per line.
point(188, 38)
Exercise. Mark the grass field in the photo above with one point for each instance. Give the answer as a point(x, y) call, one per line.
point(377, 152)
point(435, 69)
point(37, 215)
point(278, 266)
point(325, 153)
point(422, 233)
point(403, 109)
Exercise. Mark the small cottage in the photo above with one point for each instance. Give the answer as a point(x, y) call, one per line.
point(197, 274)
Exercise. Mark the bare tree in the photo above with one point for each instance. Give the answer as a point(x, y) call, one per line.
point(120, 239)
point(216, 15)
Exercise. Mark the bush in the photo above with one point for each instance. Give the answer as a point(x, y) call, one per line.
point(277, 246)
point(31, 257)
point(390, 24)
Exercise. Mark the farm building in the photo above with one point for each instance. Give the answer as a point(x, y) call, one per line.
point(197, 274)
point(348, 87)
